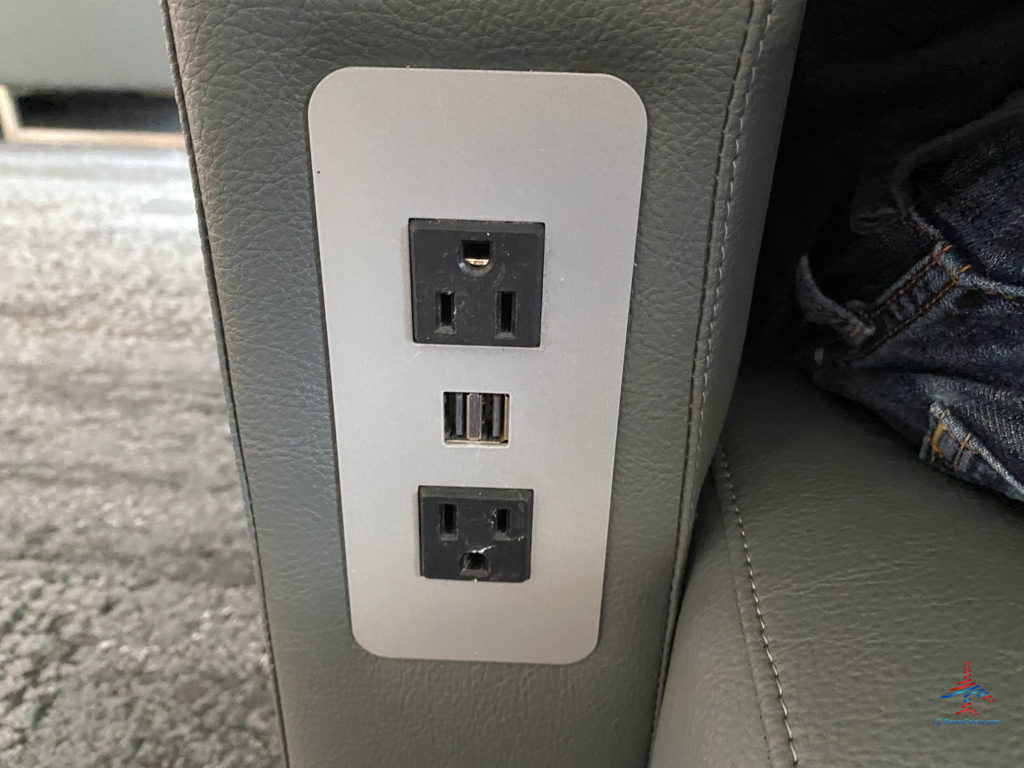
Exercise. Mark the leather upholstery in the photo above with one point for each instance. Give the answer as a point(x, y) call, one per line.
point(713, 75)
point(690, 730)
point(876, 580)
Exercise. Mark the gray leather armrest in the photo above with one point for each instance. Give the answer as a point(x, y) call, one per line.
point(713, 75)
point(859, 582)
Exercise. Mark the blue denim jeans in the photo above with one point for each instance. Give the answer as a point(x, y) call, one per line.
point(939, 353)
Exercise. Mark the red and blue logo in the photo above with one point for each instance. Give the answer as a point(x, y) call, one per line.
point(968, 693)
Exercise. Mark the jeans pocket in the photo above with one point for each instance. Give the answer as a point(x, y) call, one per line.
point(953, 448)
point(938, 357)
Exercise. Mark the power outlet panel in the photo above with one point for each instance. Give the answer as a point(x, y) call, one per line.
point(516, 411)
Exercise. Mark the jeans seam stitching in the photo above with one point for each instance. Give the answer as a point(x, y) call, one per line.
point(924, 308)
point(914, 280)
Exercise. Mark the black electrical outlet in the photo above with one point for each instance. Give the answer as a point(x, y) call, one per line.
point(475, 534)
point(476, 282)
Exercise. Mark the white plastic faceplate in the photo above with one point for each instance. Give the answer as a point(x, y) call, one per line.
point(564, 149)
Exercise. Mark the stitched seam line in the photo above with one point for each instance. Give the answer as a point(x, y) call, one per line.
point(725, 227)
point(734, 507)
point(681, 530)
point(914, 280)
point(924, 308)
point(954, 280)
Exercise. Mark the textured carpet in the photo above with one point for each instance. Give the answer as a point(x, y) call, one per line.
point(129, 621)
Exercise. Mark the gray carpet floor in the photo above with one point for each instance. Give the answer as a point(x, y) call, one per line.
point(129, 621)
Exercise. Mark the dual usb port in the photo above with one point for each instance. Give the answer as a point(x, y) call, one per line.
point(476, 417)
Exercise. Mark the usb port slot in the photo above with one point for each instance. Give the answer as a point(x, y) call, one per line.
point(475, 417)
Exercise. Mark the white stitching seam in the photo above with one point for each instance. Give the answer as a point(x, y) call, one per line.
point(680, 555)
point(677, 569)
point(725, 228)
point(734, 507)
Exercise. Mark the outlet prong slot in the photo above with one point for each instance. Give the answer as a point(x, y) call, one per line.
point(506, 314)
point(445, 312)
point(474, 565)
point(502, 523)
point(476, 254)
point(449, 521)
